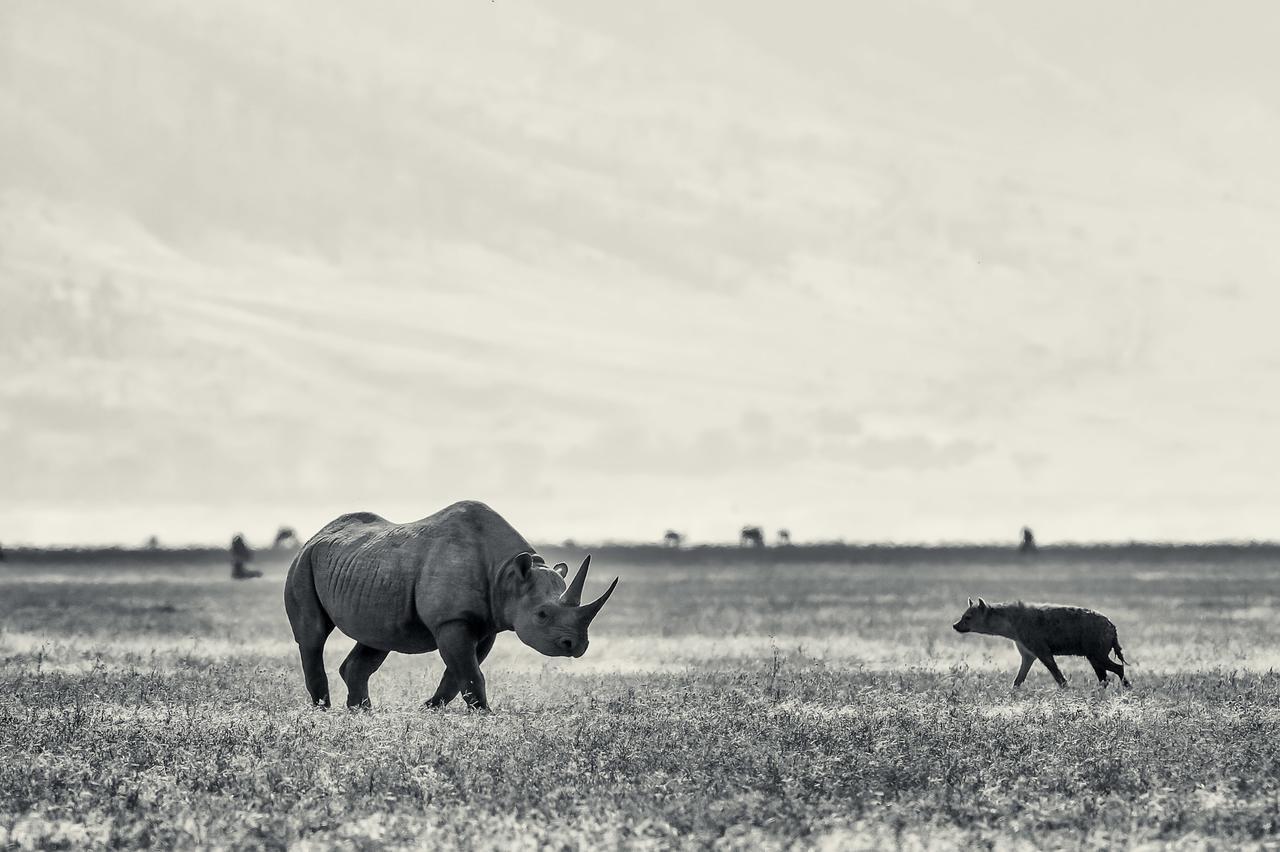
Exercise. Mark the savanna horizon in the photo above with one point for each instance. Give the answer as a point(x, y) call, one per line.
point(750, 703)
point(700, 553)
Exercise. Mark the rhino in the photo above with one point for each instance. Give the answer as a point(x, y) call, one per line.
point(449, 582)
point(1042, 630)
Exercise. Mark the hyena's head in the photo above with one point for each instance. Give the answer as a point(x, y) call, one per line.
point(976, 619)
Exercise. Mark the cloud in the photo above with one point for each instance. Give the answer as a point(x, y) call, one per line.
point(910, 452)
point(837, 421)
point(634, 449)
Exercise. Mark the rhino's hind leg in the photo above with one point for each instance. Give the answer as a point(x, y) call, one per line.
point(311, 627)
point(313, 673)
point(451, 683)
point(355, 670)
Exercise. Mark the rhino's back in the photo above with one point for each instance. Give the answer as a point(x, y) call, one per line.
point(468, 540)
point(1066, 629)
point(365, 570)
point(384, 584)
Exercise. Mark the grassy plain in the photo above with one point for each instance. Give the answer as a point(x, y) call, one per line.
point(737, 703)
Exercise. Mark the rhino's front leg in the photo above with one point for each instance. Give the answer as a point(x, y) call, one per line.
point(459, 648)
point(450, 684)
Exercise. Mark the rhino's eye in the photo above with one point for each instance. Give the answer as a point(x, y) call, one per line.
point(541, 615)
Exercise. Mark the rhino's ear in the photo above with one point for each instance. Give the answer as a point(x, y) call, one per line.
point(524, 565)
point(970, 601)
point(562, 569)
point(982, 604)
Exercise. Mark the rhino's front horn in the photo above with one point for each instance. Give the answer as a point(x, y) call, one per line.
point(573, 595)
point(592, 608)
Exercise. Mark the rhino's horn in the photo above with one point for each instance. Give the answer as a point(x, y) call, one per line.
point(592, 608)
point(573, 595)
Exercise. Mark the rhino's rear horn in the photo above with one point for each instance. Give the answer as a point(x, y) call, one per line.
point(573, 595)
point(592, 608)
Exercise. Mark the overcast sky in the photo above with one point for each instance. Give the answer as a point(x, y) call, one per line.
point(909, 271)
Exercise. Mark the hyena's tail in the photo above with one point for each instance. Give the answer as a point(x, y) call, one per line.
point(1115, 646)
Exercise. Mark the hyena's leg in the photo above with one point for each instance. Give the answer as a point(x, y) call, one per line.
point(1028, 658)
point(355, 671)
point(1118, 669)
point(1100, 666)
point(1044, 655)
point(1052, 665)
point(450, 683)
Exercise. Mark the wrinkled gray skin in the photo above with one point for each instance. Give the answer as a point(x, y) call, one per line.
point(1042, 630)
point(451, 582)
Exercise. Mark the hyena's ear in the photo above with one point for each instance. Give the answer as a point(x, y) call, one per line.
point(562, 569)
point(982, 604)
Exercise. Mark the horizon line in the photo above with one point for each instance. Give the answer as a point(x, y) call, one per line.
point(727, 544)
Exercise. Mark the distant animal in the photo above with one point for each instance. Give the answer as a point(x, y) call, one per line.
point(784, 537)
point(153, 543)
point(2, 556)
point(1042, 630)
point(751, 537)
point(449, 582)
point(672, 539)
point(285, 537)
point(1028, 541)
point(241, 555)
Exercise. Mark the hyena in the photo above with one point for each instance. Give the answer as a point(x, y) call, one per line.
point(1042, 630)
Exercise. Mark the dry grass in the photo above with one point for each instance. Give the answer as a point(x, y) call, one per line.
point(754, 706)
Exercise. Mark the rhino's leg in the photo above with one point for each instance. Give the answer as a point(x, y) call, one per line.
point(355, 670)
point(458, 648)
point(311, 627)
point(450, 683)
point(313, 672)
point(1028, 658)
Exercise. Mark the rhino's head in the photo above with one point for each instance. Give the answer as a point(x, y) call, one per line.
point(548, 616)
